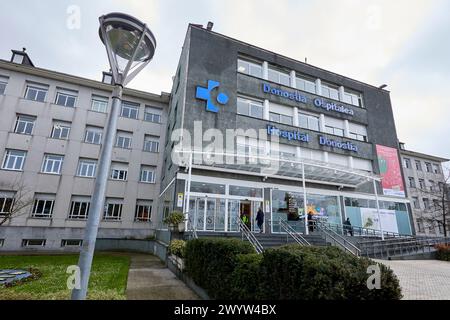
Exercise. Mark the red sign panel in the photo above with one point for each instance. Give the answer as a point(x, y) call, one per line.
point(390, 171)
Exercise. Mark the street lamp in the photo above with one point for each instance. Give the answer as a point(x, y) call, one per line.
point(130, 46)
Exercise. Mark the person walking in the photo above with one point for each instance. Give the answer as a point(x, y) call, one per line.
point(260, 219)
point(348, 227)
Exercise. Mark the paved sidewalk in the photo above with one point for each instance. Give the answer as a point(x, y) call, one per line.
point(422, 279)
point(149, 279)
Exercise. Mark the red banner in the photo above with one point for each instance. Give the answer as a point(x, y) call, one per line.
point(390, 171)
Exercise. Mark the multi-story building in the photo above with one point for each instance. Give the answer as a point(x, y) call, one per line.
point(299, 139)
point(426, 187)
point(51, 130)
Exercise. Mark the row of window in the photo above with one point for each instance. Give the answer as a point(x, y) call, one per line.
point(283, 114)
point(68, 98)
point(43, 206)
point(52, 164)
point(61, 130)
point(429, 167)
point(426, 203)
point(300, 82)
point(422, 185)
point(432, 227)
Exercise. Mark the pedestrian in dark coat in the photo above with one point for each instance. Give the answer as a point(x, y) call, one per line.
point(260, 219)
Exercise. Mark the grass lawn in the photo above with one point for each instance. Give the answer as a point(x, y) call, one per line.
point(108, 277)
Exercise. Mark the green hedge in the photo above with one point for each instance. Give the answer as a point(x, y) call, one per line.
point(443, 252)
point(229, 269)
point(210, 262)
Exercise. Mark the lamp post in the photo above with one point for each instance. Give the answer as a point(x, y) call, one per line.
point(130, 46)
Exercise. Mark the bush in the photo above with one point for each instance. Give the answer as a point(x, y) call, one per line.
point(210, 262)
point(309, 273)
point(246, 277)
point(443, 252)
point(174, 218)
point(177, 247)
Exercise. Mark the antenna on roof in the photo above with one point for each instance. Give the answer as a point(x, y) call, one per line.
point(306, 60)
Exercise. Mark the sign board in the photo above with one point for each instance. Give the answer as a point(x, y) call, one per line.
point(180, 199)
point(390, 171)
point(369, 218)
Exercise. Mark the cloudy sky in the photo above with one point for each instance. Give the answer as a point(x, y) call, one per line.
point(403, 43)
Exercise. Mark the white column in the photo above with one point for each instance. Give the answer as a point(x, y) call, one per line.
point(322, 122)
point(346, 129)
point(295, 116)
point(266, 109)
point(350, 162)
point(265, 70)
point(304, 199)
point(292, 79)
point(318, 87)
point(325, 156)
point(298, 152)
point(378, 207)
point(341, 93)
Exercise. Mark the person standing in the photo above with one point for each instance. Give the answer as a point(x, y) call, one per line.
point(260, 220)
point(348, 227)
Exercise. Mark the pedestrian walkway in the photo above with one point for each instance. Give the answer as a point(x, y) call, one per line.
point(422, 279)
point(149, 279)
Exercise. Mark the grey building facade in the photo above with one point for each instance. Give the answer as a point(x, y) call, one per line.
point(304, 117)
point(50, 139)
point(426, 185)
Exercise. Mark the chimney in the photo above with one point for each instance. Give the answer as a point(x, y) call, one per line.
point(21, 57)
point(209, 26)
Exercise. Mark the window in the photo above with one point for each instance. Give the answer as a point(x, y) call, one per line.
point(436, 168)
point(151, 144)
point(416, 202)
point(119, 171)
point(79, 208)
point(93, 135)
point(61, 130)
point(99, 103)
point(129, 110)
point(36, 93)
point(2, 242)
point(431, 185)
point(152, 115)
point(412, 182)
point(86, 168)
point(281, 118)
point(407, 163)
point(335, 131)
point(33, 243)
point(436, 204)
point(24, 124)
point(71, 243)
point(6, 202)
point(420, 225)
point(43, 207)
point(250, 68)
point(308, 121)
point(422, 184)
point(353, 97)
point(362, 164)
point(17, 58)
point(3, 84)
point(123, 140)
point(357, 131)
point(14, 160)
point(330, 91)
point(66, 98)
point(113, 210)
point(426, 203)
point(441, 186)
point(52, 164)
point(305, 85)
point(428, 167)
point(279, 77)
point(249, 107)
point(143, 211)
point(147, 174)
point(418, 165)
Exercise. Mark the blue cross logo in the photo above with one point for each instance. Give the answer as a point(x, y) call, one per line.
point(205, 94)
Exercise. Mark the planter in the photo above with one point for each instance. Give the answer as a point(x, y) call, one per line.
point(177, 227)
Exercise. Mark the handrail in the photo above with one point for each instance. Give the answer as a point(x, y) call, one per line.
point(250, 236)
point(367, 231)
point(296, 236)
point(344, 243)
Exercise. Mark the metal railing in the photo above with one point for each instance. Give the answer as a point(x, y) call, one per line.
point(336, 239)
point(293, 234)
point(388, 248)
point(245, 231)
point(361, 231)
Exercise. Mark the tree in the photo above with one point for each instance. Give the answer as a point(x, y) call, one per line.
point(17, 205)
point(438, 210)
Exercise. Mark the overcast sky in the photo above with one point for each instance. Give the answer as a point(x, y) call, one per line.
point(404, 44)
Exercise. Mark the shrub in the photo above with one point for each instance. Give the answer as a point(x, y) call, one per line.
point(246, 277)
point(443, 252)
point(174, 218)
point(177, 247)
point(210, 262)
point(328, 273)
